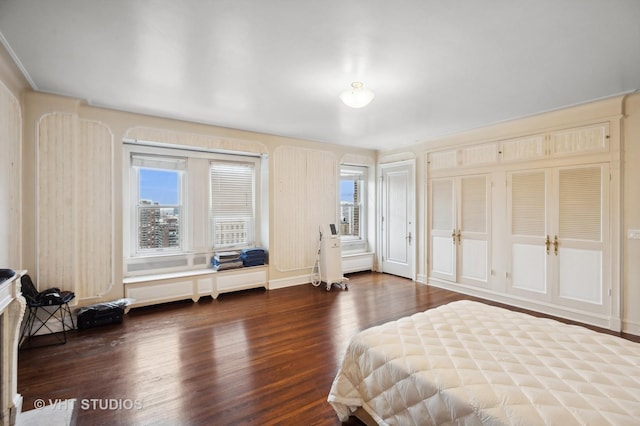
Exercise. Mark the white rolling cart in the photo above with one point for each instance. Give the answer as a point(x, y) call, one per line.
point(328, 265)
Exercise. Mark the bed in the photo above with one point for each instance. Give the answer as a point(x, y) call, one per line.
point(469, 363)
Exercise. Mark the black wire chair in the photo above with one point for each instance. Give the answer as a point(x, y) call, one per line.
point(53, 305)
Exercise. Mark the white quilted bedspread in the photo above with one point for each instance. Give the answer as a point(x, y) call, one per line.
point(467, 363)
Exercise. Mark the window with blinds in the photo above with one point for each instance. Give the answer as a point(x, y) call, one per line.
point(352, 202)
point(183, 205)
point(232, 204)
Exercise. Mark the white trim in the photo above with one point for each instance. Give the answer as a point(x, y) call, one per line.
point(412, 191)
point(603, 321)
point(190, 148)
point(192, 244)
point(18, 63)
point(289, 282)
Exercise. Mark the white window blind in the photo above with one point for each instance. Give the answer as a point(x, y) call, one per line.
point(232, 203)
point(158, 162)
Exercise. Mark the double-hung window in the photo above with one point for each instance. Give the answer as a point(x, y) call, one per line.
point(184, 205)
point(159, 207)
point(353, 183)
point(232, 203)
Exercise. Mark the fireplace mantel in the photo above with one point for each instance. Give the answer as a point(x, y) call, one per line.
point(12, 307)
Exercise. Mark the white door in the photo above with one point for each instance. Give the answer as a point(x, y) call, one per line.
point(397, 219)
point(474, 229)
point(460, 229)
point(558, 233)
point(527, 233)
point(581, 243)
point(443, 245)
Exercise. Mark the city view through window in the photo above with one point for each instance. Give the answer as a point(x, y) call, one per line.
point(350, 208)
point(159, 206)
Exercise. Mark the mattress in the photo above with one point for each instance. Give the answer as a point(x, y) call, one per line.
point(468, 363)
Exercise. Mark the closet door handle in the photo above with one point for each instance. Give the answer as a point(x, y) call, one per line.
point(547, 243)
point(459, 236)
point(453, 235)
point(555, 245)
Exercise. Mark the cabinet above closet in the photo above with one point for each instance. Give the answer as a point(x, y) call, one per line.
point(590, 139)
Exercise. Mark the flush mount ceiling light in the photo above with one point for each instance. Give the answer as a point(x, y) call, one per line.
point(358, 96)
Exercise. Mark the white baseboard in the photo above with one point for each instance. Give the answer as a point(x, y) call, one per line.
point(421, 278)
point(289, 282)
point(631, 327)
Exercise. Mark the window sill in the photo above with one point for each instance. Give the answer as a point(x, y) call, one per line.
point(182, 274)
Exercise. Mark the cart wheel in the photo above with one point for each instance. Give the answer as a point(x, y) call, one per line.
point(328, 288)
point(346, 287)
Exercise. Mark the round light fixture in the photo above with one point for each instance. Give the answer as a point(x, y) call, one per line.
point(358, 96)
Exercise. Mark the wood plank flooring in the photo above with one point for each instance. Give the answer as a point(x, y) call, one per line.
point(254, 357)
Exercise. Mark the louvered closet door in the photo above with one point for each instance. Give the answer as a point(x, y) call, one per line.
point(527, 231)
point(460, 229)
point(472, 236)
point(558, 221)
point(443, 229)
point(582, 237)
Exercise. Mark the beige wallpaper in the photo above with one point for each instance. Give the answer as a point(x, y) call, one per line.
point(10, 179)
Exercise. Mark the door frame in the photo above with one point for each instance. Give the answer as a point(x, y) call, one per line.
point(410, 165)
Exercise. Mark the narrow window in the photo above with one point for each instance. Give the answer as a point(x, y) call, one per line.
point(352, 203)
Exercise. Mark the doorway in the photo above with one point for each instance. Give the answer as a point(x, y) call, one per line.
point(397, 218)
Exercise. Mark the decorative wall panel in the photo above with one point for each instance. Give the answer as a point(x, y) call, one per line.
point(10, 178)
point(75, 205)
point(94, 230)
point(305, 194)
point(55, 198)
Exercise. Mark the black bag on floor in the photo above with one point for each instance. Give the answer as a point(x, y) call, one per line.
point(102, 314)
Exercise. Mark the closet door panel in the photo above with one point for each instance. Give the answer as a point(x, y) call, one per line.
point(443, 258)
point(474, 263)
point(474, 229)
point(443, 242)
point(582, 236)
point(527, 232)
point(580, 275)
point(529, 268)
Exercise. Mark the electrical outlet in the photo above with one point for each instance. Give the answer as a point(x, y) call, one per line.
point(633, 234)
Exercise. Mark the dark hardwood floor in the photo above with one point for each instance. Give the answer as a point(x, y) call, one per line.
point(254, 357)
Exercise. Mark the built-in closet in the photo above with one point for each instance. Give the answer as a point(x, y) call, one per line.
point(531, 220)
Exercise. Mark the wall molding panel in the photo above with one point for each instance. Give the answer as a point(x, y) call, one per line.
point(10, 179)
point(75, 218)
point(305, 194)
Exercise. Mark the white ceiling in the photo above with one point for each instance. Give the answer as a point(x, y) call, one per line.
point(437, 67)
